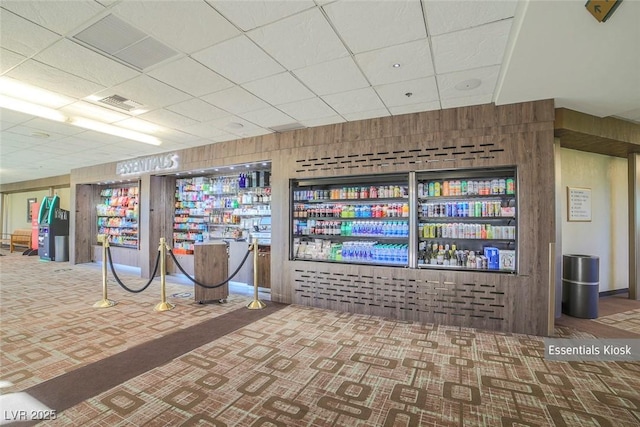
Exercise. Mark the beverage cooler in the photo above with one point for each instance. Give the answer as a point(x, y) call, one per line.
point(445, 219)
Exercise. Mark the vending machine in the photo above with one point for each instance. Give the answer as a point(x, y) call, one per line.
point(53, 222)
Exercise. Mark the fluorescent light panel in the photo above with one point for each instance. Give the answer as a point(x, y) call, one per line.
point(32, 109)
point(19, 90)
point(114, 130)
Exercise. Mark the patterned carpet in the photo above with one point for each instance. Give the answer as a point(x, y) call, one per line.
point(296, 367)
point(627, 321)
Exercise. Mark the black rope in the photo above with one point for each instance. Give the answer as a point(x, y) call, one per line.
point(113, 270)
point(217, 285)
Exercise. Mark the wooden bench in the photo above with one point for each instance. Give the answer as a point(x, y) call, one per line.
point(20, 238)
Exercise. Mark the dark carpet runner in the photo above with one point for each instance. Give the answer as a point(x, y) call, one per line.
point(74, 387)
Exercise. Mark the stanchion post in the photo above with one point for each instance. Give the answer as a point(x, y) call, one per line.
point(163, 305)
point(256, 304)
point(104, 302)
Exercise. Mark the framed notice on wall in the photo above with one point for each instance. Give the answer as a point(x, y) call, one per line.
point(578, 204)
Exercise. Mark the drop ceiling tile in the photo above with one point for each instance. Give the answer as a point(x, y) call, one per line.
point(146, 54)
point(487, 78)
point(466, 101)
point(370, 114)
point(105, 139)
point(300, 40)
point(254, 132)
point(472, 48)
point(11, 118)
point(279, 89)
point(633, 115)
point(259, 12)
point(110, 35)
point(415, 108)
point(139, 125)
point(224, 137)
point(178, 137)
point(268, 117)
point(107, 3)
point(421, 90)
point(188, 26)
point(235, 100)
point(56, 130)
point(371, 25)
point(207, 129)
point(239, 60)
point(30, 157)
point(75, 145)
point(414, 59)
point(330, 120)
point(92, 111)
point(447, 16)
point(50, 78)
point(9, 59)
point(20, 139)
point(198, 109)
point(308, 109)
point(168, 119)
point(31, 127)
point(147, 91)
point(190, 76)
point(80, 61)
point(127, 149)
point(22, 36)
point(354, 101)
point(335, 76)
point(58, 16)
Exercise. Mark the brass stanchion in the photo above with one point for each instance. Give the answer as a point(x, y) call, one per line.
point(256, 304)
point(105, 302)
point(163, 305)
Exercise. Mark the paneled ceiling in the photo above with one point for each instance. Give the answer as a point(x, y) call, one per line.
point(196, 72)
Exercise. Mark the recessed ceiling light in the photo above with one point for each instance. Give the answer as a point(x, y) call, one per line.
point(468, 84)
point(396, 65)
point(232, 168)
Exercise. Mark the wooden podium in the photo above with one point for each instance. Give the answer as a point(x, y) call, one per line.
point(211, 266)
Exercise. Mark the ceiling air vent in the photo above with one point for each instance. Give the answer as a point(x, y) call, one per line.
point(123, 42)
point(120, 102)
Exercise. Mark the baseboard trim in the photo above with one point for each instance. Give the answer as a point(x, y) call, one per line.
point(614, 292)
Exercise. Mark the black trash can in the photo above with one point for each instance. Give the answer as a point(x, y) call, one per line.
point(580, 285)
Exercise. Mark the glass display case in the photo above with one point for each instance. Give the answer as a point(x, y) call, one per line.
point(117, 215)
point(467, 219)
point(222, 206)
point(443, 219)
point(362, 220)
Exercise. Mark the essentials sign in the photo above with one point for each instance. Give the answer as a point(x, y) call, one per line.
point(160, 162)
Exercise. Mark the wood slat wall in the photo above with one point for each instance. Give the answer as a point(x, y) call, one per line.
point(481, 136)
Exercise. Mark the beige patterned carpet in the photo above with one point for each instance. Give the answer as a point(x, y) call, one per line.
point(627, 321)
point(294, 367)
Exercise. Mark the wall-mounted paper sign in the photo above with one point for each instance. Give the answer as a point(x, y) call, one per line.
point(578, 204)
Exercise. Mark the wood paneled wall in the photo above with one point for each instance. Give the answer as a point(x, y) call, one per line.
point(480, 136)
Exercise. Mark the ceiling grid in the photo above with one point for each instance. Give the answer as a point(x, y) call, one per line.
point(217, 70)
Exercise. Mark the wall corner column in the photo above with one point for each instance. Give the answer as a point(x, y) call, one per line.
point(634, 226)
point(557, 268)
point(144, 232)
